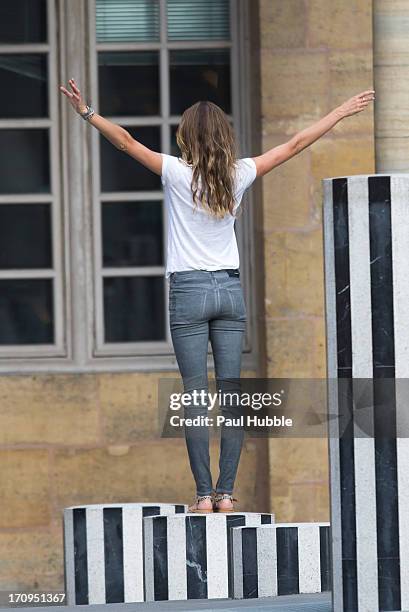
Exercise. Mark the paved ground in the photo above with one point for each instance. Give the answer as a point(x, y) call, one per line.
point(320, 602)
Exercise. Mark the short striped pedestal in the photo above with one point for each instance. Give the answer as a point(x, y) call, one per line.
point(281, 559)
point(103, 551)
point(187, 555)
point(366, 236)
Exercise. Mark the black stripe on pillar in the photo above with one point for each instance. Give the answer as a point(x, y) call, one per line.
point(249, 562)
point(150, 511)
point(80, 555)
point(341, 255)
point(160, 558)
point(196, 557)
point(232, 520)
point(344, 363)
point(325, 558)
point(287, 560)
point(383, 345)
point(348, 511)
point(179, 509)
point(114, 555)
point(380, 240)
point(266, 519)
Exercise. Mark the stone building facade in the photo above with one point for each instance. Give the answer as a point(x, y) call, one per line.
point(79, 416)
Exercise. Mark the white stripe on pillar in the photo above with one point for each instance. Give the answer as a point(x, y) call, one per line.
point(309, 575)
point(167, 509)
point(217, 562)
point(364, 447)
point(237, 561)
point(267, 561)
point(177, 576)
point(148, 559)
point(95, 555)
point(133, 552)
point(400, 271)
point(253, 519)
point(69, 566)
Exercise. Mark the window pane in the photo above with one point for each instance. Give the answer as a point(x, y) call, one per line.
point(25, 236)
point(174, 149)
point(198, 20)
point(132, 233)
point(25, 76)
point(127, 20)
point(24, 161)
point(120, 172)
point(129, 83)
point(26, 311)
point(207, 74)
point(23, 21)
point(134, 309)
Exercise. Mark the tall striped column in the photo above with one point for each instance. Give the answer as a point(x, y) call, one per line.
point(103, 551)
point(366, 247)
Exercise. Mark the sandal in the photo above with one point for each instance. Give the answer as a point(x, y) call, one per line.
point(195, 507)
point(219, 497)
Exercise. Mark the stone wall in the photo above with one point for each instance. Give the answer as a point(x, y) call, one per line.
point(74, 439)
point(391, 76)
point(314, 54)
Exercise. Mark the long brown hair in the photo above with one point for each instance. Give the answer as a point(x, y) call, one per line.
point(206, 140)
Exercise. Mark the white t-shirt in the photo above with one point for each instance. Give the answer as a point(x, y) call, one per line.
point(196, 240)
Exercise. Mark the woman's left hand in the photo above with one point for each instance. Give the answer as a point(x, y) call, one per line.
point(357, 103)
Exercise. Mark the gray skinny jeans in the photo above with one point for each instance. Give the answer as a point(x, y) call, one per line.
point(209, 305)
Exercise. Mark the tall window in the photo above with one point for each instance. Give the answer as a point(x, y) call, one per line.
point(31, 308)
point(153, 59)
point(82, 225)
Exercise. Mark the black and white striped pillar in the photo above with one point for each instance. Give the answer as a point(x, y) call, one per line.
point(366, 238)
point(281, 559)
point(103, 551)
point(188, 556)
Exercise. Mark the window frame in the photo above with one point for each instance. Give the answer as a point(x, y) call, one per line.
point(165, 121)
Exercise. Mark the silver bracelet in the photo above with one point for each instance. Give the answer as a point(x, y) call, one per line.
point(88, 113)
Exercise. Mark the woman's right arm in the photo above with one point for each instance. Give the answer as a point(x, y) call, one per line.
point(278, 155)
point(116, 134)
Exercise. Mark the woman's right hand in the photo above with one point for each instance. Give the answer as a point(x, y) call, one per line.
point(74, 97)
point(357, 103)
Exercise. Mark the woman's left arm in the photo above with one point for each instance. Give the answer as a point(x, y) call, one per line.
point(117, 135)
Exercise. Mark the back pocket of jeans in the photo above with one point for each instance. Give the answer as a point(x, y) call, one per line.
point(238, 303)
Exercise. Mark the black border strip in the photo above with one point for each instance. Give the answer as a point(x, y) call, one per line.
point(383, 346)
point(249, 562)
point(344, 369)
point(287, 561)
point(325, 558)
point(160, 558)
point(196, 557)
point(114, 555)
point(80, 555)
